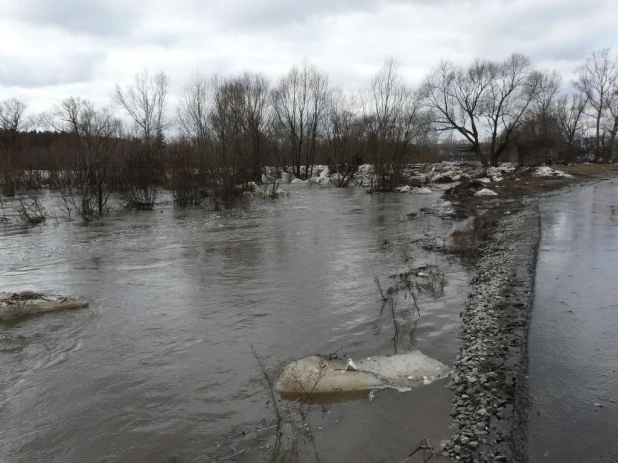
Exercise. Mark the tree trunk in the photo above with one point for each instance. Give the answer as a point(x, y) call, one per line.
point(480, 155)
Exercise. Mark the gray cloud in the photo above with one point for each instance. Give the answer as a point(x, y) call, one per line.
point(282, 12)
point(92, 17)
point(43, 71)
point(348, 39)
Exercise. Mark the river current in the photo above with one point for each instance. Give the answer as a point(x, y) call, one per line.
point(160, 363)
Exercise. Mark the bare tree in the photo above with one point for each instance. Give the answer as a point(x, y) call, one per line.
point(228, 164)
point(15, 153)
point(195, 105)
point(12, 116)
point(597, 80)
point(537, 136)
point(612, 122)
point(190, 155)
point(569, 111)
point(395, 120)
point(346, 133)
point(257, 117)
point(486, 101)
point(140, 168)
point(227, 120)
point(547, 86)
point(91, 146)
point(299, 101)
point(144, 101)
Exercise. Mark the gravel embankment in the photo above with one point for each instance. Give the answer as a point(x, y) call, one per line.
point(489, 377)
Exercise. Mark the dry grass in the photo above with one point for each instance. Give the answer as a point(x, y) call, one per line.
point(591, 171)
point(529, 185)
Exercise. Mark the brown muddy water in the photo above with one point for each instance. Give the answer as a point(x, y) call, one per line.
point(161, 364)
point(573, 341)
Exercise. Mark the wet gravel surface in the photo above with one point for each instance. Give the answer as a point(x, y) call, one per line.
point(489, 377)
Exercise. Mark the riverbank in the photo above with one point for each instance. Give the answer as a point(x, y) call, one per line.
point(489, 375)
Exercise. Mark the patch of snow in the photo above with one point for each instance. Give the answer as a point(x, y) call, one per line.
point(422, 191)
point(546, 171)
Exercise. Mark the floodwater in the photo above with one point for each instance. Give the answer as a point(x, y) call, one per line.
point(161, 363)
point(573, 341)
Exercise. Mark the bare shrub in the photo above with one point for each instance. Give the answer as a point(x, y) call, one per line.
point(90, 145)
point(185, 177)
point(30, 210)
point(139, 174)
point(467, 243)
point(3, 217)
point(292, 425)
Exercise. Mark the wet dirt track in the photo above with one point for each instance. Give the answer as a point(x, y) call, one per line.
point(573, 342)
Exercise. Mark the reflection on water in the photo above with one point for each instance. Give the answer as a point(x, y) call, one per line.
point(160, 363)
point(574, 332)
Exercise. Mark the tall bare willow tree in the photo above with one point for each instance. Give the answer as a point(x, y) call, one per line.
point(598, 80)
point(258, 117)
point(538, 138)
point(395, 123)
point(299, 102)
point(141, 168)
point(227, 119)
point(569, 114)
point(189, 163)
point(346, 133)
point(485, 103)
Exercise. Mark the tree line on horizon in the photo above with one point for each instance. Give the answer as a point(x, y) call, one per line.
point(228, 129)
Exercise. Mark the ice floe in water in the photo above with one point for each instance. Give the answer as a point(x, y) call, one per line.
point(485, 192)
point(316, 375)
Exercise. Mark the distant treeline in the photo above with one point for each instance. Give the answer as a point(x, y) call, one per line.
point(228, 129)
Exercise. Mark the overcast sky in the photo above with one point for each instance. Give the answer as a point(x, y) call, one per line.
point(52, 49)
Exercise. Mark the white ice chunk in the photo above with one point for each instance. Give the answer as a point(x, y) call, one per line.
point(316, 375)
point(485, 192)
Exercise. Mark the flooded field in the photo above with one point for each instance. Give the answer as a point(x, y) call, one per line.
point(161, 363)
